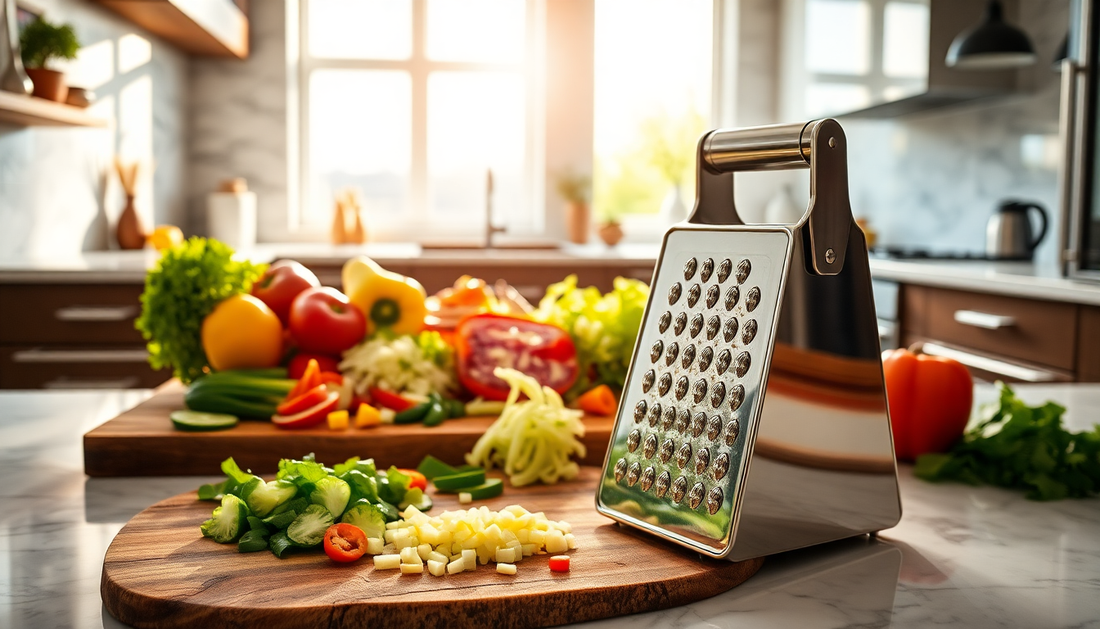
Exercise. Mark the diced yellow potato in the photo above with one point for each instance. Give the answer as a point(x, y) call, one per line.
point(424, 550)
point(374, 545)
point(456, 566)
point(571, 541)
point(469, 557)
point(464, 497)
point(437, 556)
point(409, 555)
point(528, 550)
point(437, 568)
point(523, 535)
point(386, 562)
point(538, 537)
point(555, 542)
point(412, 568)
point(506, 555)
point(389, 535)
point(506, 568)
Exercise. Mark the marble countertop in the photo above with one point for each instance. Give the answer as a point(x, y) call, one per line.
point(961, 556)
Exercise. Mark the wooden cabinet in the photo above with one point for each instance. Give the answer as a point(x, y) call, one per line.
point(73, 336)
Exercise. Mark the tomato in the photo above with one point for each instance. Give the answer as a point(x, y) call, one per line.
point(416, 479)
point(281, 283)
point(322, 320)
point(299, 403)
point(388, 399)
point(309, 417)
point(297, 365)
point(484, 342)
point(930, 399)
point(242, 333)
point(345, 542)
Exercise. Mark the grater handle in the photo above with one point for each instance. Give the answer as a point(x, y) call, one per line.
point(819, 145)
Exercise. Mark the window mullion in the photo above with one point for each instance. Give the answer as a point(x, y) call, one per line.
point(418, 179)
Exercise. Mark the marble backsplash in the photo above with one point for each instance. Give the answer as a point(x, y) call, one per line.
point(58, 190)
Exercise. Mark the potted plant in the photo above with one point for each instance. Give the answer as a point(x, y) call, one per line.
point(574, 189)
point(42, 42)
point(609, 229)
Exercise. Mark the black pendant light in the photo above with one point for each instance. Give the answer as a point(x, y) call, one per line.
point(992, 45)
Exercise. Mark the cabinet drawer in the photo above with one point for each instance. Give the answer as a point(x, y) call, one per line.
point(69, 313)
point(1041, 332)
point(77, 367)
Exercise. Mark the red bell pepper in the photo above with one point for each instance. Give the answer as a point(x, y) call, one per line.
point(484, 342)
point(930, 399)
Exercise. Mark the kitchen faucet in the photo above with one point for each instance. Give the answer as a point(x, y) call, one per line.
point(490, 229)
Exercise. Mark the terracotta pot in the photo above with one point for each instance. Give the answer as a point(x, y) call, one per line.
point(49, 84)
point(129, 231)
point(611, 233)
point(577, 221)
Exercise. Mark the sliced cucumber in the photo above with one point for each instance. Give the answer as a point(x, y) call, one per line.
point(308, 529)
point(431, 467)
point(489, 489)
point(367, 517)
point(198, 421)
point(267, 496)
point(417, 498)
point(228, 520)
point(460, 480)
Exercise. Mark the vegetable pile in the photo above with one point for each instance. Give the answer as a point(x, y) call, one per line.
point(418, 364)
point(1021, 447)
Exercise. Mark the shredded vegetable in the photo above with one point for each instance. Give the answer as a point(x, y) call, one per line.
point(414, 364)
point(532, 440)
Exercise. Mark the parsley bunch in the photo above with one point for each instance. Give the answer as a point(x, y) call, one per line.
point(188, 281)
point(1021, 447)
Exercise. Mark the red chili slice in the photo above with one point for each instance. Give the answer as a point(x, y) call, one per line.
point(295, 405)
point(345, 542)
point(487, 341)
point(311, 416)
point(390, 400)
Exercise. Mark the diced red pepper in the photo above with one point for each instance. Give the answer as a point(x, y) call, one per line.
point(389, 399)
point(559, 563)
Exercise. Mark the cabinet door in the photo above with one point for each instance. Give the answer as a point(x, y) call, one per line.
point(69, 313)
point(1088, 346)
point(77, 367)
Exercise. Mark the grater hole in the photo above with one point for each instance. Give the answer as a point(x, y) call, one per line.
point(730, 330)
point(733, 428)
point(732, 296)
point(620, 470)
point(668, 447)
point(681, 323)
point(725, 357)
point(689, 269)
point(696, 325)
point(752, 299)
point(639, 410)
point(683, 417)
point(664, 321)
point(714, 428)
point(714, 323)
point(721, 466)
point(693, 295)
point(748, 333)
point(699, 391)
point(632, 473)
point(662, 484)
point(743, 270)
point(668, 418)
point(714, 500)
point(648, 476)
point(705, 357)
point(713, 293)
point(633, 439)
point(698, 424)
point(737, 396)
point(664, 384)
point(702, 460)
point(683, 455)
point(647, 380)
point(717, 394)
point(695, 497)
point(679, 489)
point(671, 352)
point(656, 350)
point(674, 293)
point(741, 365)
point(706, 269)
point(688, 356)
point(681, 387)
point(649, 448)
point(724, 268)
point(654, 414)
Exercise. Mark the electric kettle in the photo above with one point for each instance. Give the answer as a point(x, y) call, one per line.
point(1008, 234)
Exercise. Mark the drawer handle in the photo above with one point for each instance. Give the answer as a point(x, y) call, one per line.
point(63, 383)
point(984, 320)
point(96, 313)
point(39, 355)
point(991, 365)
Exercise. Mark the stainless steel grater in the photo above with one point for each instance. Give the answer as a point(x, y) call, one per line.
point(754, 415)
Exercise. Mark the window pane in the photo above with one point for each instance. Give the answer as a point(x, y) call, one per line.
point(826, 99)
point(652, 100)
point(905, 40)
point(838, 36)
point(360, 29)
point(475, 123)
point(476, 30)
point(359, 135)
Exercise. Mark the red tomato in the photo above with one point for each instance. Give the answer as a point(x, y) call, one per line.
point(322, 320)
point(484, 342)
point(280, 284)
point(297, 365)
point(311, 416)
point(416, 479)
point(345, 542)
point(930, 399)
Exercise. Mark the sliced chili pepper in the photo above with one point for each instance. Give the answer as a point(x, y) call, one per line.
point(345, 542)
point(416, 479)
point(301, 402)
point(388, 399)
point(558, 563)
point(311, 377)
point(598, 401)
point(331, 377)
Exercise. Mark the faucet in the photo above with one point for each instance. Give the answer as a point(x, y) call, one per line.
point(490, 229)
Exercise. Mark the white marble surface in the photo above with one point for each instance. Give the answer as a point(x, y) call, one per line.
point(961, 556)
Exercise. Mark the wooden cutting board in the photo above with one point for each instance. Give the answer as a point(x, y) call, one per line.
point(160, 572)
point(143, 442)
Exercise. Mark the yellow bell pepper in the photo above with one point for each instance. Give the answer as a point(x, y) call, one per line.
point(338, 420)
point(367, 416)
point(388, 300)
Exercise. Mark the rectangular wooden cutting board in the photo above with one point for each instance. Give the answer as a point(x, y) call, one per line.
point(143, 442)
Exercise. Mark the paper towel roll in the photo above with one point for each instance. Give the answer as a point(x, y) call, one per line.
point(231, 218)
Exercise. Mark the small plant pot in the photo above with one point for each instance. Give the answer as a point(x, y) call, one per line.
point(577, 221)
point(49, 84)
point(611, 233)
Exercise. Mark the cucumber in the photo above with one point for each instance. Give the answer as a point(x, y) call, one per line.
point(489, 489)
point(200, 421)
point(459, 481)
point(417, 498)
point(414, 414)
point(214, 402)
point(228, 521)
point(308, 529)
point(431, 467)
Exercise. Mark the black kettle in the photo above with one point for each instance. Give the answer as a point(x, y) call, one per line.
point(1008, 234)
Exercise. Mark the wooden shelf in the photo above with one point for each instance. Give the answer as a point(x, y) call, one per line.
point(28, 111)
point(215, 28)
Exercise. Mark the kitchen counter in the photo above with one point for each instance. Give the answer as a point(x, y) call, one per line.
point(961, 556)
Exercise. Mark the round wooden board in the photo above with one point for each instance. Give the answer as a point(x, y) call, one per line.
point(160, 572)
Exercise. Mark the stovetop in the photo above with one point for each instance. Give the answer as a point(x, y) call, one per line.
point(918, 253)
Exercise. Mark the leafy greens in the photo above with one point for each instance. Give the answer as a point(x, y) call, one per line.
point(1021, 447)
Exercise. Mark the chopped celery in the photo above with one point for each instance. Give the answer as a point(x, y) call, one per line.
point(331, 493)
point(308, 529)
point(228, 520)
point(279, 544)
point(265, 497)
point(367, 517)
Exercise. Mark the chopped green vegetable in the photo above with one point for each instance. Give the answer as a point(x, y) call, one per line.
point(308, 529)
point(367, 517)
point(252, 541)
point(198, 421)
point(185, 285)
point(603, 327)
point(228, 520)
point(212, 492)
point(1021, 447)
point(362, 485)
point(459, 480)
point(279, 544)
point(267, 496)
point(489, 489)
point(417, 498)
point(431, 467)
point(413, 364)
point(413, 414)
point(331, 493)
point(393, 485)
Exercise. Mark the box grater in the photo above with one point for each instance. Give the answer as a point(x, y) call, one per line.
point(754, 418)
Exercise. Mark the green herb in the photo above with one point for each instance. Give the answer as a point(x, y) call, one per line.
point(190, 279)
point(1021, 447)
point(42, 41)
point(604, 327)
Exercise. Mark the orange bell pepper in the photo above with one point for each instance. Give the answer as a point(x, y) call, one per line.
point(598, 401)
point(930, 399)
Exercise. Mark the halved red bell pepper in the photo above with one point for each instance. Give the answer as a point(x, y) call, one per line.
point(486, 341)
